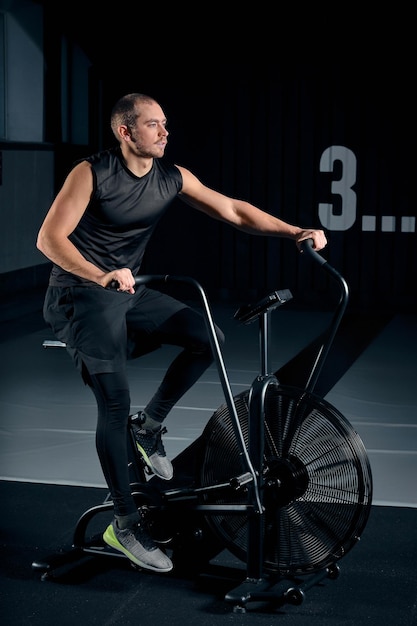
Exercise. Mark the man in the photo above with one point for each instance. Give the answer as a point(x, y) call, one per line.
point(96, 232)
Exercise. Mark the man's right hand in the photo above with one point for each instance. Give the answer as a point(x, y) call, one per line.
point(123, 277)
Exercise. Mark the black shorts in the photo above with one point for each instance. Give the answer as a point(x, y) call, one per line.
point(102, 328)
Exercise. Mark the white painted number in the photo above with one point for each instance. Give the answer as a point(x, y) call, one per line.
point(341, 216)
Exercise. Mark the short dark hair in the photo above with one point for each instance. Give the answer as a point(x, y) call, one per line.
point(125, 111)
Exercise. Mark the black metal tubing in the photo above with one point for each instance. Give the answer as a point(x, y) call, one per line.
point(221, 368)
point(308, 251)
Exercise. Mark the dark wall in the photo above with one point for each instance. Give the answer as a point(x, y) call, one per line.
point(252, 107)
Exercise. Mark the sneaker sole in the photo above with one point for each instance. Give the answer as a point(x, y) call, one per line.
point(111, 540)
point(149, 463)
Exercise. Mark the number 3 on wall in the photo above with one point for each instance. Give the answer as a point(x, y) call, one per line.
point(344, 216)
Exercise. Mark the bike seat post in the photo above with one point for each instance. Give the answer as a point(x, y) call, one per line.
point(265, 342)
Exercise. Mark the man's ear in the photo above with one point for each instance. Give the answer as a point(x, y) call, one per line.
point(124, 133)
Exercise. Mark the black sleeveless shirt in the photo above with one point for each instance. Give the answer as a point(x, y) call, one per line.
point(122, 214)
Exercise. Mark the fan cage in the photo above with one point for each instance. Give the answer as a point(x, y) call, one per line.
point(316, 483)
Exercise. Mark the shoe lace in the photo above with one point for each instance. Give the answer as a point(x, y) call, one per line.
point(142, 531)
point(143, 537)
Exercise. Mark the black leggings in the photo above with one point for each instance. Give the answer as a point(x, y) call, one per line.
point(187, 329)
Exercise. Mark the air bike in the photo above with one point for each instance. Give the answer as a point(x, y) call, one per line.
point(279, 479)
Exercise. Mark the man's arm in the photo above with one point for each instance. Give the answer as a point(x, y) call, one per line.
point(60, 221)
point(242, 214)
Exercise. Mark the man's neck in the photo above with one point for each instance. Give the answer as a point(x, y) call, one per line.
point(139, 166)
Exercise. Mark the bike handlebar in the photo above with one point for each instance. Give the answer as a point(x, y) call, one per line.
point(307, 249)
point(307, 246)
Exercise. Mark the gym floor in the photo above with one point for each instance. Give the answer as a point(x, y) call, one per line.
point(48, 415)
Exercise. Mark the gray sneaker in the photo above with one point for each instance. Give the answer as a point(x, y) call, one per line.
point(138, 546)
point(152, 449)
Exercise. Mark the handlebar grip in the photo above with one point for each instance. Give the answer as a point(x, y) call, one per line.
point(307, 247)
point(142, 279)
